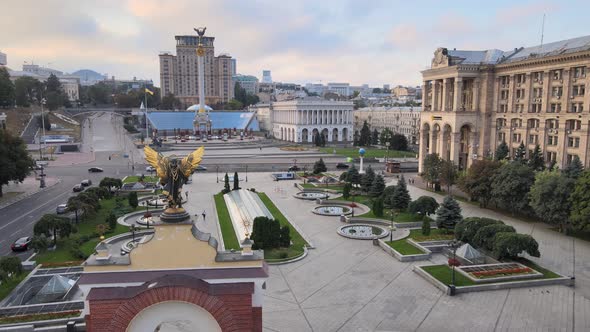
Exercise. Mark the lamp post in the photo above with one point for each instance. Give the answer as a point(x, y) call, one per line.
point(454, 245)
point(246, 173)
point(387, 155)
point(132, 228)
point(43, 128)
point(392, 229)
point(217, 172)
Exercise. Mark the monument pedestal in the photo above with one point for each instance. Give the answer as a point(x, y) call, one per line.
point(174, 215)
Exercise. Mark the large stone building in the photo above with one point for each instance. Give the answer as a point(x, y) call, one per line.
point(179, 73)
point(300, 120)
point(69, 83)
point(474, 100)
point(400, 120)
point(247, 82)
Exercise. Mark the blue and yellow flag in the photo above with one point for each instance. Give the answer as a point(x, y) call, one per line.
point(148, 91)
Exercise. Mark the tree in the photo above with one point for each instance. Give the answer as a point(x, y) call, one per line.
point(510, 245)
point(485, 237)
point(11, 264)
point(401, 197)
point(90, 200)
point(128, 100)
point(43, 121)
point(234, 104)
point(388, 194)
point(398, 142)
point(365, 138)
point(346, 190)
point(549, 198)
point(99, 94)
point(502, 151)
point(385, 136)
point(285, 237)
point(375, 137)
point(536, 161)
point(376, 90)
point(15, 162)
point(377, 187)
point(112, 221)
point(367, 179)
point(426, 226)
point(511, 185)
point(39, 243)
point(111, 183)
point(268, 234)
point(353, 176)
point(478, 180)
point(54, 93)
point(448, 174)
point(378, 207)
point(6, 89)
point(75, 204)
point(574, 169)
point(580, 201)
point(424, 205)
point(52, 225)
point(170, 102)
point(448, 214)
point(226, 184)
point(27, 90)
point(132, 199)
point(319, 167)
point(236, 181)
point(432, 168)
point(520, 154)
point(466, 229)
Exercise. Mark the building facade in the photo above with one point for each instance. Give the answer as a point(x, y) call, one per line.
point(474, 100)
point(248, 82)
point(179, 73)
point(400, 120)
point(300, 120)
point(3, 60)
point(266, 76)
point(70, 84)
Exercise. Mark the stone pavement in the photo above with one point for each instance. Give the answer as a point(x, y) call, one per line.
point(28, 187)
point(72, 158)
point(351, 285)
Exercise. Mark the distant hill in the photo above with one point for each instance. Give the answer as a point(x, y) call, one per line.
point(88, 76)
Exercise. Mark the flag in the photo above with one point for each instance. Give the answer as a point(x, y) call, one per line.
point(148, 91)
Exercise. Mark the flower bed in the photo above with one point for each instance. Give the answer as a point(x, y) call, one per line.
point(501, 272)
point(498, 272)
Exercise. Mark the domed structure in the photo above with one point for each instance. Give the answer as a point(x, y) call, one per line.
point(195, 108)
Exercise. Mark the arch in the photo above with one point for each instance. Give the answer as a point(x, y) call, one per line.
point(434, 137)
point(325, 133)
point(345, 134)
point(304, 135)
point(447, 140)
point(465, 143)
point(335, 135)
point(192, 316)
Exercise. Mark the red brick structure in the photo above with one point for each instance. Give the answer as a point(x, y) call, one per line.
point(111, 309)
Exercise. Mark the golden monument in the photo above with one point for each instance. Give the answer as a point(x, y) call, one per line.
point(173, 173)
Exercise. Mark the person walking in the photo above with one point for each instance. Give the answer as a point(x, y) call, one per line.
point(204, 215)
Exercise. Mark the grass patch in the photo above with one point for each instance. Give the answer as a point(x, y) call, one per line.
point(370, 152)
point(227, 228)
point(36, 317)
point(8, 285)
point(443, 273)
point(10, 195)
point(435, 235)
point(337, 187)
point(404, 247)
point(298, 242)
point(547, 274)
point(147, 178)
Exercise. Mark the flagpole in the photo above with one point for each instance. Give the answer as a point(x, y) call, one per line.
point(147, 135)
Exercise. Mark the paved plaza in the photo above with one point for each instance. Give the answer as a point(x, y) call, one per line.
point(351, 285)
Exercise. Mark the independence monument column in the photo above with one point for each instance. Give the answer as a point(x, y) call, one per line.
point(201, 123)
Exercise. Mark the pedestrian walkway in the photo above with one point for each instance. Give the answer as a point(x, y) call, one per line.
point(72, 158)
point(14, 192)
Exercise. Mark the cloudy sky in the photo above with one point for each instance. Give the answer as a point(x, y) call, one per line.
point(372, 41)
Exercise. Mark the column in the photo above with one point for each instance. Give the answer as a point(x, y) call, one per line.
point(567, 85)
point(457, 94)
point(546, 91)
point(425, 94)
point(423, 151)
point(476, 84)
point(455, 147)
point(445, 94)
point(435, 96)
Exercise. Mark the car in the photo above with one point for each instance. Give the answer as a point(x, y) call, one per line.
point(95, 170)
point(61, 209)
point(150, 169)
point(200, 168)
point(38, 167)
point(86, 183)
point(21, 244)
point(194, 138)
point(342, 166)
point(77, 188)
point(294, 168)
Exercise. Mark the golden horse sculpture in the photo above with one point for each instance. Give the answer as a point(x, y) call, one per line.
point(173, 173)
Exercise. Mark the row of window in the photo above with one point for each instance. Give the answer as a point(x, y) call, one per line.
point(537, 77)
point(535, 123)
point(537, 108)
point(552, 140)
point(556, 92)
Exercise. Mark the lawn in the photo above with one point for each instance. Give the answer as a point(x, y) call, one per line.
point(146, 178)
point(435, 235)
point(38, 317)
point(547, 274)
point(443, 273)
point(370, 152)
point(7, 286)
point(298, 242)
point(227, 228)
point(338, 187)
point(404, 247)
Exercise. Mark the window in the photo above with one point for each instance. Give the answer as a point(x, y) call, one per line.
point(504, 81)
point(519, 93)
point(500, 123)
point(535, 108)
point(554, 108)
point(501, 137)
point(515, 123)
point(557, 74)
point(538, 76)
point(573, 142)
point(569, 158)
point(551, 140)
point(538, 93)
point(579, 72)
point(533, 139)
point(516, 138)
point(552, 124)
point(578, 90)
point(504, 95)
point(520, 78)
point(503, 108)
point(551, 156)
point(573, 124)
point(533, 123)
point(557, 91)
point(576, 108)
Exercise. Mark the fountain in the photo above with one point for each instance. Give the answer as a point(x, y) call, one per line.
point(363, 231)
point(332, 210)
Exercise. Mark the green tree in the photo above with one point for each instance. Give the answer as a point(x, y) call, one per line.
point(75, 204)
point(111, 183)
point(580, 201)
point(385, 136)
point(367, 179)
point(236, 181)
point(226, 184)
point(346, 190)
point(466, 229)
point(549, 198)
point(502, 151)
point(54, 93)
point(52, 225)
point(285, 237)
point(234, 104)
point(401, 197)
point(11, 264)
point(6, 89)
point(319, 167)
point(478, 180)
point(378, 207)
point(426, 226)
point(100, 94)
point(448, 214)
point(375, 137)
point(449, 174)
point(112, 220)
point(574, 169)
point(353, 175)
point(132, 199)
point(377, 187)
point(510, 245)
point(485, 237)
point(424, 205)
point(511, 185)
point(365, 138)
point(536, 161)
point(398, 142)
point(15, 162)
point(43, 121)
point(27, 91)
point(39, 243)
point(170, 102)
point(128, 100)
point(388, 194)
point(267, 234)
point(520, 154)
point(432, 168)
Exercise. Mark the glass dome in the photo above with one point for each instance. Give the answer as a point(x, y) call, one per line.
point(195, 107)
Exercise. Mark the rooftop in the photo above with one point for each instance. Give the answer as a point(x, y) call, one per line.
point(219, 120)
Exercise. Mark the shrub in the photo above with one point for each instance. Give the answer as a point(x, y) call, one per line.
point(39, 243)
point(449, 214)
point(132, 199)
point(510, 245)
point(76, 252)
point(466, 229)
point(346, 190)
point(425, 205)
point(112, 221)
point(426, 226)
point(486, 236)
point(266, 233)
point(319, 167)
point(283, 255)
point(378, 207)
point(11, 264)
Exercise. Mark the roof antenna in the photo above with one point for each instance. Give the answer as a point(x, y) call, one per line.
point(542, 32)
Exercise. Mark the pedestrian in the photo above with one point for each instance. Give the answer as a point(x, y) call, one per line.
point(261, 148)
point(204, 215)
point(186, 193)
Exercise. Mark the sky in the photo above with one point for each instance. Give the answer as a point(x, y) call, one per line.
point(373, 41)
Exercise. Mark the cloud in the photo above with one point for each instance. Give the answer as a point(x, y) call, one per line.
point(404, 35)
point(518, 13)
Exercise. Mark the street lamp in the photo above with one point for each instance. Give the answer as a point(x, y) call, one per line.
point(43, 128)
point(132, 228)
point(217, 173)
point(246, 173)
point(387, 155)
point(392, 229)
point(454, 245)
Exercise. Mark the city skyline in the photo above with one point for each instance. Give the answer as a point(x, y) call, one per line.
point(299, 42)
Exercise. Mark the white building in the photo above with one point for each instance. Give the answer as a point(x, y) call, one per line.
point(317, 88)
point(70, 84)
point(300, 120)
point(266, 77)
point(3, 60)
point(400, 120)
point(342, 89)
point(42, 71)
point(262, 115)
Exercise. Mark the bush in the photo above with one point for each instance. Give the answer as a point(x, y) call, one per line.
point(510, 245)
point(130, 128)
point(378, 207)
point(76, 252)
point(11, 264)
point(132, 199)
point(466, 229)
point(346, 190)
point(268, 234)
point(486, 236)
point(283, 255)
point(319, 167)
point(426, 226)
point(449, 214)
point(39, 243)
point(112, 221)
point(425, 205)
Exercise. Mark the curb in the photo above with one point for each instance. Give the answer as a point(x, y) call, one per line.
point(26, 195)
point(293, 260)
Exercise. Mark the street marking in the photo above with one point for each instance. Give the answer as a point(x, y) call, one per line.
point(35, 209)
point(13, 234)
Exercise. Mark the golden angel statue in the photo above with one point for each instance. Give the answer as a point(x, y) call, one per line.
point(173, 172)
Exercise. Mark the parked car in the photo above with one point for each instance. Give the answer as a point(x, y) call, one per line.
point(194, 138)
point(200, 168)
point(342, 166)
point(77, 188)
point(150, 169)
point(294, 168)
point(21, 244)
point(95, 170)
point(86, 183)
point(61, 209)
